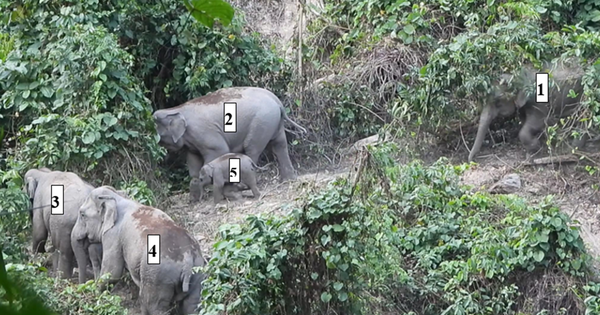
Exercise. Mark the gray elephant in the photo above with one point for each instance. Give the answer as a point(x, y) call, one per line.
point(37, 185)
point(198, 127)
point(534, 116)
point(218, 174)
point(122, 226)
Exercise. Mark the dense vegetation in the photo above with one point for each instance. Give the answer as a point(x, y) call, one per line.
point(80, 79)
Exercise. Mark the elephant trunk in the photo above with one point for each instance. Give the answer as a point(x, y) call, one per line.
point(487, 115)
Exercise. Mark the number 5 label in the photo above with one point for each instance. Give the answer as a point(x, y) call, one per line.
point(234, 170)
point(153, 249)
point(230, 117)
point(57, 197)
point(541, 93)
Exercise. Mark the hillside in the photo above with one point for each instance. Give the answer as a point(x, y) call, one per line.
point(386, 215)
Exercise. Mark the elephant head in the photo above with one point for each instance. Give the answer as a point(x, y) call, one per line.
point(32, 178)
point(170, 126)
point(98, 213)
point(501, 102)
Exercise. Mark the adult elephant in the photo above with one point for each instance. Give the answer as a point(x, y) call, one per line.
point(197, 127)
point(37, 185)
point(535, 116)
point(122, 226)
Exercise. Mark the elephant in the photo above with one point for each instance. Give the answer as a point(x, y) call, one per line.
point(122, 226)
point(37, 186)
point(85, 250)
point(217, 173)
point(534, 116)
point(198, 127)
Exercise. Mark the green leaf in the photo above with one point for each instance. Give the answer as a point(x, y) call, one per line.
point(47, 91)
point(88, 137)
point(26, 93)
point(338, 286)
point(325, 297)
point(409, 29)
point(206, 11)
point(23, 86)
point(342, 296)
point(110, 120)
point(538, 256)
point(338, 228)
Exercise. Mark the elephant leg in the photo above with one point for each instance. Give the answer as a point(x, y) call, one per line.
point(579, 142)
point(280, 149)
point(218, 193)
point(66, 257)
point(529, 136)
point(251, 182)
point(95, 252)
point(194, 163)
point(40, 233)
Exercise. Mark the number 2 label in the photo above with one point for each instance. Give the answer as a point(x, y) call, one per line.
point(229, 117)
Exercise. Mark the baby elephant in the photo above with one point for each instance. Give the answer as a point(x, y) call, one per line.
point(218, 173)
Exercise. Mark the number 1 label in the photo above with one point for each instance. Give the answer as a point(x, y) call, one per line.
point(234, 170)
point(153, 249)
point(541, 91)
point(57, 198)
point(230, 117)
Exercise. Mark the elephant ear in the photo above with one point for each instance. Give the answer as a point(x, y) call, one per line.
point(108, 206)
point(521, 99)
point(177, 126)
point(31, 182)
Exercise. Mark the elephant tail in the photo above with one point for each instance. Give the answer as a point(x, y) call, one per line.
point(187, 275)
point(285, 117)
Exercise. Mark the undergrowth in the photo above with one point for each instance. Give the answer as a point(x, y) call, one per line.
point(405, 240)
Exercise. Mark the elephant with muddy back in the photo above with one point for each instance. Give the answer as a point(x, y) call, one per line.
point(563, 78)
point(122, 226)
point(197, 127)
point(59, 227)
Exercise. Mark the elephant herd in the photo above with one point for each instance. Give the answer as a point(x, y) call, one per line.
point(103, 231)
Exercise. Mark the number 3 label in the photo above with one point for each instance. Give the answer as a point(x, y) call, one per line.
point(234, 170)
point(57, 197)
point(230, 117)
point(153, 249)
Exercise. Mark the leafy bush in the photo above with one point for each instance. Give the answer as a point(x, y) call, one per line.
point(14, 223)
point(58, 295)
point(75, 105)
point(405, 239)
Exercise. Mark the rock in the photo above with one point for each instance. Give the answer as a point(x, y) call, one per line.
point(362, 143)
point(509, 184)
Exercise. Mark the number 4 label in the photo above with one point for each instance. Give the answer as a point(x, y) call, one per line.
point(153, 249)
point(57, 198)
point(234, 170)
point(230, 117)
point(541, 93)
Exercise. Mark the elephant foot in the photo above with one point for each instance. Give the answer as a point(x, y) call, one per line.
point(195, 190)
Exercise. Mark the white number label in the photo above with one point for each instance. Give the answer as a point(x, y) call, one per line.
point(234, 170)
point(153, 249)
point(230, 117)
point(57, 198)
point(541, 88)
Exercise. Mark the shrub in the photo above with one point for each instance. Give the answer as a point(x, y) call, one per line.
point(405, 239)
